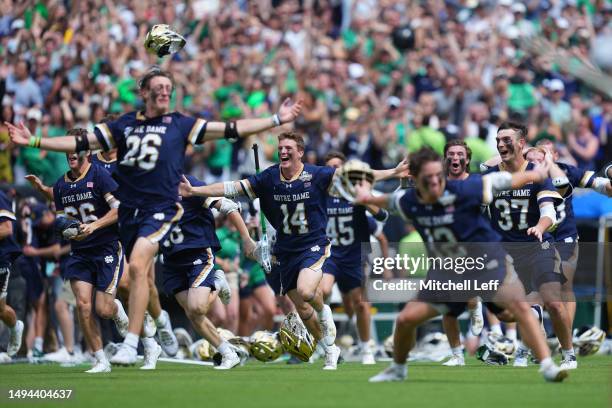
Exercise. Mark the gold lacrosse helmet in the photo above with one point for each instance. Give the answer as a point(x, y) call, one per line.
point(352, 173)
point(202, 350)
point(265, 346)
point(295, 338)
point(161, 40)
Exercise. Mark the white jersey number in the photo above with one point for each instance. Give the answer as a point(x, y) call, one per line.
point(85, 212)
point(142, 153)
point(505, 217)
point(340, 230)
point(294, 221)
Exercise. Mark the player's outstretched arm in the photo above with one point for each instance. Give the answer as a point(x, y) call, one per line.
point(363, 196)
point(401, 170)
point(109, 218)
point(287, 112)
point(228, 189)
point(547, 219)
point(21, 136)
point(38, 185)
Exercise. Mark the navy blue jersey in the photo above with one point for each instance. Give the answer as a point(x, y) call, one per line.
point(195, 230)
point(456, 217)
point(86, 199)
point(348, 227)
point(296, 208)
point(513, 212)
point(566, 226)
point(109, 165)
point(150, 155)
point(9, 250)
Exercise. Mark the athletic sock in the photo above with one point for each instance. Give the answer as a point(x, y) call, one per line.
point(457, 350)
point(567, 353)
point(38, 343)
point(511, 334)
point(161, 320)
point(496, 329)
point(148, 342)
point(397, 366)
point(131, 340)
point(224, 348)
point(364, 345)
point(100, 356)
point(546, 364)
point(536, 312)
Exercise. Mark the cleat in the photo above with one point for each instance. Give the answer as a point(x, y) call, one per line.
point(15, 339)
point(476, 320)
point(554, 373)
point(148, 326)
point(222, 287)
point(455, 360)
point(367, 357)
point(100, 367)
point(391, 373)
point(37, 354)
point(126, 355)
point(522, 357)
point(61, 356)
point(121, 319)
point(151, 354)
point(328, 327)
point(167, 339)
point(332, 354)
point(569, 363)
point(228, 361)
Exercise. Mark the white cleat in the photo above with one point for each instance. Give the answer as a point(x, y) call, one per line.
point(522, 358)
point(328, 327)
point(151, 354)
point(569, 363)
point(121, 319)
point(148, 326)
point(100, 367)
point(228, 361)
point(126, 355)
point(455, 361)
point(391, 373)
point(332, 354)
point(61, 356)
point(222, 287)
point(476, 320)
point(166, 337)
point(367, 357)
point(554, 373)
point(15, 339)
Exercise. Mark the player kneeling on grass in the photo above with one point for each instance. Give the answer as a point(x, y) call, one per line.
point(455, 208)
point(188, 260)
point(87, 213)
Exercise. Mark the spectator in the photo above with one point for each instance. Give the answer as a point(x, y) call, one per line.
point(583, 144)
point(560, 111)
point(25, 90)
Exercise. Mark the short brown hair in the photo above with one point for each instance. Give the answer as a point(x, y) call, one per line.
point(517, 127)
point(417, 159)
point(152, 73)
point(296, 137)
point(458, 142)
point(334, 154)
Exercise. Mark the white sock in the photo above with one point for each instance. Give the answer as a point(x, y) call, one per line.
point(496, 328)
point(364, 345)
point(535, 313)
point(224, 348)
point(131, 340)
point(148, 342)
point(546, 364)
point(397, 366)
point(12, 329)
point(566, 353)
point(457, 350)
point(161, 320)
point(511, 334)
point(38, 343)
point(100, 356)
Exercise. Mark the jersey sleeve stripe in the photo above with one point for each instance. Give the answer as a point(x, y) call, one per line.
point(587, 179)
point(107, 140)
point(113, 284)
point(205, 271)
point(487, 190)
point(196, 135)
point(210, 201)
point(7, 214)
point(548, 195)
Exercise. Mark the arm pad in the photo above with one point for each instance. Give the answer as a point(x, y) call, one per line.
point(228, 206)
point(600, 183)
point(548, 210)
point(229, 189)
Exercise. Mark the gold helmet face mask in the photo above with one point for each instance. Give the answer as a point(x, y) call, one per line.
point(161, 40)
point(265, 346)
point(295, 338)
point(352, 172)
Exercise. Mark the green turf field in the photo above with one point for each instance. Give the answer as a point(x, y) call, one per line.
point(281, 385)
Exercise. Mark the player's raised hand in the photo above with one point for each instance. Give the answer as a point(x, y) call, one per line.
point(289, 110)
point(536, 232)
point(401, 170)
point(20, 134)
point(185, 188)
point(35, 181)
point(542, 170)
